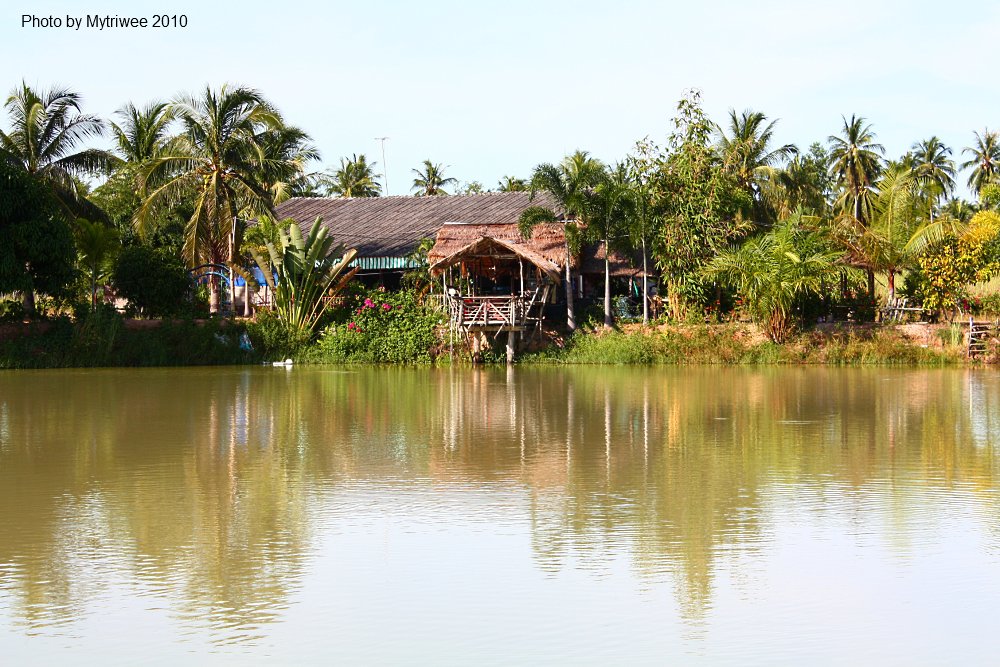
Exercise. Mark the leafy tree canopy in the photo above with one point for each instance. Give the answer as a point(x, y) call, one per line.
point(36, 242)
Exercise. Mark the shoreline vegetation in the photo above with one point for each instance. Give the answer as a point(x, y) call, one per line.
point(106, 339)
point(769, 241)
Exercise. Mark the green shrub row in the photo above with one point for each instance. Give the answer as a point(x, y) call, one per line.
point(101, 338)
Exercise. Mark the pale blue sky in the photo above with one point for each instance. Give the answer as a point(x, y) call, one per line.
point(495, 88)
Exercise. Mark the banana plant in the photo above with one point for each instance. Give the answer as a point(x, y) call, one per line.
point(302, 270)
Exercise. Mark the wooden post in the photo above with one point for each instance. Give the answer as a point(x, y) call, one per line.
point(510, 346)
point(475, 347)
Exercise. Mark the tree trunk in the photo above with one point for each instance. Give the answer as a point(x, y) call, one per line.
point(93, 290)
point(570, 318)
point(28, 302)
point(892, 285)
point(213, 296)
point(871, 285)
point(645, 287)
point(608, 321)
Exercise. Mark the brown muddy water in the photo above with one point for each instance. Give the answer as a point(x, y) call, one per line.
point(778, 516)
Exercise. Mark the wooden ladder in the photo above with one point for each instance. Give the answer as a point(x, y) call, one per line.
point(977, 338)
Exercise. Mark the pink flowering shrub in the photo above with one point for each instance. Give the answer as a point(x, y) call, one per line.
point(379, 327)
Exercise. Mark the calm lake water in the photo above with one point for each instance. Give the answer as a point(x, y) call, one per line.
point(533, 516)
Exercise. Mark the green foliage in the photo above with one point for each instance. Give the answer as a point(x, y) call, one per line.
point(949, 266)
point(733, 344)
point(36, 243)
point(97, 245)
point(356, 177)
point(419, 278)
point(101, 338)
point(155, 282)
point(235, 154)
point(302, 271)
point(772, 271)
point(747, 155)
point(11, 311)
point(119, 198)
point(701, 206)
point(855, 161)
point(46, 130)
point(430, 180)
point(379, 327)
point(984, 161)
point(806, 183)
point(273, 339)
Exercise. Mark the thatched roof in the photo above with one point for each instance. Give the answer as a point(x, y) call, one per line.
point(394, 226)
point(592, 261)
point(548, 240)
point(490, 249)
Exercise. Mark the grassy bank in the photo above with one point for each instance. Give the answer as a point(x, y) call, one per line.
point(741, 344)
point(387, 332)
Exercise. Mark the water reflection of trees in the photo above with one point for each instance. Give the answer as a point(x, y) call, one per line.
point(199, 484)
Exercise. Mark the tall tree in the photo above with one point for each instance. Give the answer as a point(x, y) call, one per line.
point(569, 183)
point(431, 180)
point(985, 160)
point(46, 137)
point(512, 184)
point(609, 207)
point(143, 133)
point(805, 183)
point(97, 245)
point(702, 208)
point(356, 177)
point(220, 155)
point(934, 170)
point(855, 162)
point(284, 153)
point(645, 222)
point(36, 244)
point(747, 154)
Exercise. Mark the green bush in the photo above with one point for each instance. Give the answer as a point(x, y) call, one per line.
point(11, 310)
point(274, 339)
point(101, 338)
point(154, 281)
point(379, 327)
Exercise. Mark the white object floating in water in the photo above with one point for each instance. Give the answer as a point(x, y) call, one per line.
point(286, 362)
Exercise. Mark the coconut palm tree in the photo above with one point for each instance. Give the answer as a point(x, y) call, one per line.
point(431, 180)
point(569, 183)
point(985, 160)
point(610, 209)
point(97, 245)
point(284, 153)
point(355, 178)
point(896, 232)
point(959, 209)
point(512, 184)
point(855, 162)
point(143, 133)
point(222, 155)
point(934, 170)
point(747, 155)
point(47, 131)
